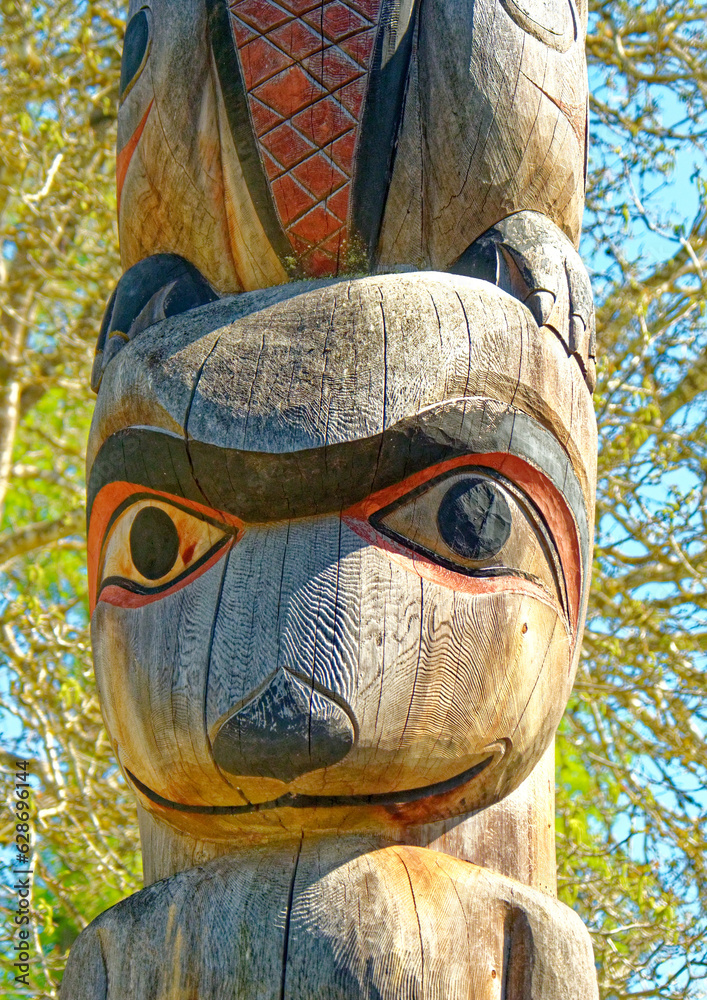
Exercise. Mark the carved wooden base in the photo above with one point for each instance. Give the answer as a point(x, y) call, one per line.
point(335, 919)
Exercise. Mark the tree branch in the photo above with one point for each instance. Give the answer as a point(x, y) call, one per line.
point(14, 544)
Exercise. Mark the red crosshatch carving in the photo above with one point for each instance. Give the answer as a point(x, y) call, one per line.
point(305, 64)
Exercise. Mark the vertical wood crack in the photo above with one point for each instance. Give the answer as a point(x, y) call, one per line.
point(288, 917)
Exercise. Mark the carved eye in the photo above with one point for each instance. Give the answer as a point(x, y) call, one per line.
point(136, 48)
point(151, 546)
point(476, 522)
point(474, 518)
point(154, 542)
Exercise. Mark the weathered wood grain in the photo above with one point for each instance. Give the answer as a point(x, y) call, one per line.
point(168, 367)
point(511, 79)
point(443, 337)
point(514, 837)
point(213, 931)
point(179, 177)
point(528, 256)
point(438, 675)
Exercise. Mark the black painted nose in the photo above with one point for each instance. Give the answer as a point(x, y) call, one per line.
point(284, 732)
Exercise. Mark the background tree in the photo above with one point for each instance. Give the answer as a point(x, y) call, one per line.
point(631, 756)
point(58, 92)
point(632, 766)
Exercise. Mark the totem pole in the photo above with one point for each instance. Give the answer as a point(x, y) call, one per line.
point(341, 480)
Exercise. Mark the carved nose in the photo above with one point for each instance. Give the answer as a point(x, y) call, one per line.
point(284, 732)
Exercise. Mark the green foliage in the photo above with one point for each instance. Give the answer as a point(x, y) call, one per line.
point(631, 753)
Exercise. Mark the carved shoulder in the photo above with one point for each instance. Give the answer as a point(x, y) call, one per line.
point(335, 921)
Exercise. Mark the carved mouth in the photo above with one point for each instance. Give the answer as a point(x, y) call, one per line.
point(290, 801)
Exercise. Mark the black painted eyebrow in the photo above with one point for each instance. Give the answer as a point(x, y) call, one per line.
point(261, 486)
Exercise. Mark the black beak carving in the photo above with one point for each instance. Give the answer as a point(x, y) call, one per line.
point(287, 730)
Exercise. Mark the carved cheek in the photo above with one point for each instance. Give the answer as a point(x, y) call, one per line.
point(152, 665)
point(493, 668)
point(443, 675)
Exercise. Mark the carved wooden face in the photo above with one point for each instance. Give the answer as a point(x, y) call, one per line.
point(338, 562)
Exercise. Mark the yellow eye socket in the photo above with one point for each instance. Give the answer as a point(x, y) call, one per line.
point(476, 522)
point(151, 544)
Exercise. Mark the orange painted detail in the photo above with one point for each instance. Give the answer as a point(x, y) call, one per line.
point(526, 477)
point(126, 153)
point(107, 502)
point(426, 569)
point(305, 65)
point(122, 598)
point(576, 114)
point(546, 497)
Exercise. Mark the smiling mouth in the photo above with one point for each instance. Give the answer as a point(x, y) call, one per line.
point(290, 801)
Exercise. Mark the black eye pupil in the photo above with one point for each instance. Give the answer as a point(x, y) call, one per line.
point(137, 35)
point(474, 519)
point(154, 542)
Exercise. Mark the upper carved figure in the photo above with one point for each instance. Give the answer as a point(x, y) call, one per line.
point(339, 546)
point(261, 141)
point(268, 139)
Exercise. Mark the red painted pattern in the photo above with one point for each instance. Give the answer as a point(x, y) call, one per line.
point(305, 65)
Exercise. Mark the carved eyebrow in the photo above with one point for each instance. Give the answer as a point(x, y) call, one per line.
point(260, 486)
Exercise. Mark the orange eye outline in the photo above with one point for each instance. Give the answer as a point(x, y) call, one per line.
point(539, 490)
point(112, 502)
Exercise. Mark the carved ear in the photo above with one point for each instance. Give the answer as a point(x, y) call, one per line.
point(152, 290)
point(529, 257)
